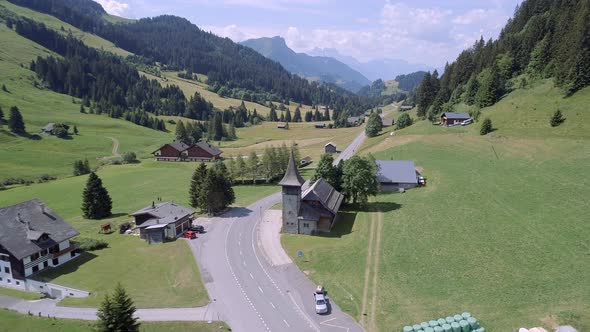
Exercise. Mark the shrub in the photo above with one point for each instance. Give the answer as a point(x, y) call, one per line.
point(556, 119)
point(130, 158)
point(89, 244)
point(486, 127)
point(46, 178)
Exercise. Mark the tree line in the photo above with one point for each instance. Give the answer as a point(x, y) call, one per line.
point(270, 167)
point(543, 39)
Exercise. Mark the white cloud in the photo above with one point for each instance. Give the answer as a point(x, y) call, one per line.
point(114, 7)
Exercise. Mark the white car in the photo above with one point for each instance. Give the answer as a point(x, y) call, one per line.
point(321, 304)
point(467, 122)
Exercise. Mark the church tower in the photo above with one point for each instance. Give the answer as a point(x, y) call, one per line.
point(291, 184)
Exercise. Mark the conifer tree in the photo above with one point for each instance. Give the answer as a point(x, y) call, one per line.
point(486, 127)
point(556, 119)
point(16, 124)
point(181, 132)
point(75, 130)
point(288, 116)
point(96, 202)
point(116, 313)
point(196, 184)
point(1, 117)
point(297, 115)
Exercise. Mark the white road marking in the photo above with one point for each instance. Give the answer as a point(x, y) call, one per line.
point(260, 289)
point(272, 305)
point(244, 262)
point(251, 276)
point(332, 325)
point(302, 314)
point(284, 321)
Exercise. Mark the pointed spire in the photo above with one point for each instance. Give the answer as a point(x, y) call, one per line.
point(292, 177)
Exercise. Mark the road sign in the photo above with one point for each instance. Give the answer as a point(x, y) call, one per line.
point(300, 253)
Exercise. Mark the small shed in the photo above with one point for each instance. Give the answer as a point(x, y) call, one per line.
point(320, 125)
point(453, 118)
point(330, 148)
point(48, 128)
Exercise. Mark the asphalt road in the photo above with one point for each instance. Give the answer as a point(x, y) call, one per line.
point(351, 149)
point(249, 293)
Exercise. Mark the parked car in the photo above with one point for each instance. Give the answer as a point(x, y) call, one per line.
point(190, 235)
point(321, 304)
point(197, 228)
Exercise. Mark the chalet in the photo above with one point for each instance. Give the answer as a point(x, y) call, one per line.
point(178, 151)
point(33, 238)
point(320, 125)
point(355, 120)
point(394, 175)
point(453, 118)
point(330, 148)
point(163, 221)
point(312, 211)
point(406, 108)
point(48, 128)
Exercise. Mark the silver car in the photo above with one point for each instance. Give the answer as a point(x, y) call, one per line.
point(321, 304)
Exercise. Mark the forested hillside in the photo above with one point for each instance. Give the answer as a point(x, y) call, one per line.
point(180, 45)
point(545, 38)
point(411, 81)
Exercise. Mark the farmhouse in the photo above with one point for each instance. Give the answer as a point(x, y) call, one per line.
point(330, 148)
point(453, 118)
point(162, 221)
point(396, 174)
point(314, 211)
point(33, 238)
point(178, 151)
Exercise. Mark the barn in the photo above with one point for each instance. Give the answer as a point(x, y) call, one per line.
point(160, 222)
point(330, 148)
point(178, 151)
point(453, 118)
point(394, 175)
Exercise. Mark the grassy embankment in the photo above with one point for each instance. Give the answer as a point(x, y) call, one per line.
point(500, 230)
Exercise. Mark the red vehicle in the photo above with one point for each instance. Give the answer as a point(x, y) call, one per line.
point(190, 234)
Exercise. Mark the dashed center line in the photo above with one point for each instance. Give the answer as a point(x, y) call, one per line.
point(251, 276)
point(284, 321)
point(272, 305)
point(260, 289)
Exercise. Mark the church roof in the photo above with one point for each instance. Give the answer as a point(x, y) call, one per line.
point(292, 177)
point(324, 193)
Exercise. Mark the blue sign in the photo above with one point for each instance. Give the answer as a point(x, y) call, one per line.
point(300, 253)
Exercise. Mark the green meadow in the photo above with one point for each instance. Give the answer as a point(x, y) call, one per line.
point(500, 230)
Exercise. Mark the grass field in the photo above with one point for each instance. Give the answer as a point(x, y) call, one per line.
point(500, 230)
point(173, 282)
point(15, 322)
point(19, 294)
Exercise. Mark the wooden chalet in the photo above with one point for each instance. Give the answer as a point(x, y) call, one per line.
point(178, 151)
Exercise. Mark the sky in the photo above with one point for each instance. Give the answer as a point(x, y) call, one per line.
point(426, 32)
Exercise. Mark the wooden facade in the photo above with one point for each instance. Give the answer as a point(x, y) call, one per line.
point(201, 151)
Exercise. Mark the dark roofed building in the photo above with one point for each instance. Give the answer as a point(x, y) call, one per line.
point(178, 151)
point(393, 175)
point(166, 220)
point(314, 211)
point(330, 148)
point(453, 118)
point(32, 238)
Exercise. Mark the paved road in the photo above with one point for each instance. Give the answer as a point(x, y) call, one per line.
point(252, 294)
point(351, 149)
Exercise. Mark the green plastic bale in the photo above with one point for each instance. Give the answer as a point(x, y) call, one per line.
point(473, 322)
point(429, 329)
point(456, 327)
point(450, 320)
point(438, 329)
point(408, 329)
point(458, 318)
point(465, 315)
point(447, 327)
point(433, 323)
point(424, 325)
point(417, 327)
point(465, 327)
point(441, 321)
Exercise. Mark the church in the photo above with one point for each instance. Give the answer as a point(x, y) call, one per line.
point(311, 211)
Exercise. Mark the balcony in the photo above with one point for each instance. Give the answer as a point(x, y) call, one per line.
point(37, 261)
point(73, 246)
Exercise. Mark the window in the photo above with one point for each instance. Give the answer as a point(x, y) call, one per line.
point(4, 258)
point(55, 261)
point(18, 283)
point(54, 249)
point(306, 225)
point(71, 294)
point(73, 254)
point(34, 257)
point(35, 268)
point(0, 278)
point(8, 281)
point(44, 252)
point(6, 269)
point(45, 264)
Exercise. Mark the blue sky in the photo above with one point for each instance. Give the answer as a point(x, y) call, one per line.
point(421, 31)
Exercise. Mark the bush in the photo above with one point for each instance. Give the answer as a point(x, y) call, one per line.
point(556, 119)
point(46, 178)
point(486, 127)
point(13, 181)
point(404, 121)
point(130, 158)
point(88, 244)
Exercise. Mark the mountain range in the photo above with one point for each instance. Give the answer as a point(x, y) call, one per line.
point(375, 69)
point(316, 68)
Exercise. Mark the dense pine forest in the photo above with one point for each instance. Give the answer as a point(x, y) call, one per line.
point(545, 38)
point(181, 45)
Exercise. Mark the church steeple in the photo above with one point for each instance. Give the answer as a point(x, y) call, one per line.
point(292, 177)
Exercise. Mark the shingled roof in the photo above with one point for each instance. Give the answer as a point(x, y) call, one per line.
point(211, 149)
point(165, 209)
point(396, 171)
point(324, 193)
point(456, 115)
point(21, 225)
point(292, 177)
